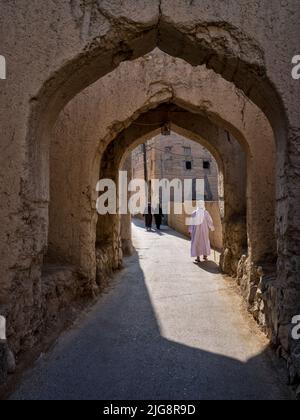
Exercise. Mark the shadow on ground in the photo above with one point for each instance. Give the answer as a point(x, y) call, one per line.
point(118, 352)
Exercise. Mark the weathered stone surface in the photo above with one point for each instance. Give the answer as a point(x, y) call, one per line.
point(86, 132)
point(72, 44)
point(235, 242)
point(106, 263)
point(155, 81)
point(125, 229)
point(140, 13)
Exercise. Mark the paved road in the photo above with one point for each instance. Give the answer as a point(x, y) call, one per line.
point(166, 329)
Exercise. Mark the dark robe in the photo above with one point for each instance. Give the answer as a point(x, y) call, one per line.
point(148, 217)
point(158, 217)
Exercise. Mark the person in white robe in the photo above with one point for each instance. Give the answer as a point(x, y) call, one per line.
point(199, 229)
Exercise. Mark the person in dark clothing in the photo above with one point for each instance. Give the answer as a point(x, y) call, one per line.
point(148, 217)
point(158, 217)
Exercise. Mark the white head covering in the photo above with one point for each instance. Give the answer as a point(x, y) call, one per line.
point(200, 213)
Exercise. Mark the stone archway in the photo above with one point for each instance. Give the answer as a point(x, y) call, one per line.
point(235, 47)
point(79, 209)
point(202, 100)
point(228, 154)
point(162, 91)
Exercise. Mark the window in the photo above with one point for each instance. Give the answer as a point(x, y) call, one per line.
point(206, 164)
point(168, 164)
point(188, 165)
point(187, 151)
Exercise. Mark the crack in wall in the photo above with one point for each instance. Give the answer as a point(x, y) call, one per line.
point(160, 13)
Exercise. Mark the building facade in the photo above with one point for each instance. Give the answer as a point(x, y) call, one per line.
point(176, 157)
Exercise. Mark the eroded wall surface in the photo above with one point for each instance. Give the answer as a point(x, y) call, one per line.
point(55, 50)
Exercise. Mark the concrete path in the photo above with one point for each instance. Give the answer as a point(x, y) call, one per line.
point(166, 329)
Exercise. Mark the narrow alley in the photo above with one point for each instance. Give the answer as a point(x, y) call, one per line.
point(165, 329)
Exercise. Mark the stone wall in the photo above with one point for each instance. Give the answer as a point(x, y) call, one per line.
point(89, 125)
point(125, 222)
point(96, 133)
point(58, 49)
point(106, 264)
